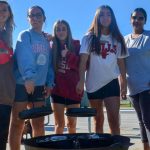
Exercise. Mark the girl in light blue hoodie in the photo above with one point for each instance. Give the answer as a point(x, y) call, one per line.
point(33, 72)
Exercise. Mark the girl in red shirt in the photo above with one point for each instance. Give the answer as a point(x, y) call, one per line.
point(66, 61)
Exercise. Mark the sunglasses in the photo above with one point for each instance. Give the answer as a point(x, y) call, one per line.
point(38, 16)
point(138, 18)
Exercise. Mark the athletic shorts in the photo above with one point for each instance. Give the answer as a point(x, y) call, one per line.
point(21, 94)
point(109, 90)
point(62, 100)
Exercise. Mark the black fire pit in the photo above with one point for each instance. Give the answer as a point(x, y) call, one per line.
point(85, 141)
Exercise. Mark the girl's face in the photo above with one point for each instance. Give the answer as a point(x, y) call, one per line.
point(105, 17)
point(4, 13)
point(61, 31)
point(36, 18)
point(138, 20)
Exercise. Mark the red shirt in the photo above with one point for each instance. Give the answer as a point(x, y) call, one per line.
point(6, 53)
point(67, 75)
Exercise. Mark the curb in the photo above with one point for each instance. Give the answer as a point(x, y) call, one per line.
point(125, 110)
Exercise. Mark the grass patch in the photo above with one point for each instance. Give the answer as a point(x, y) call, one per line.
point(125, 103)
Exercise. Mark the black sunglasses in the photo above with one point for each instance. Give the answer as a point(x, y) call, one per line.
point(138, 18)
point(37, 15)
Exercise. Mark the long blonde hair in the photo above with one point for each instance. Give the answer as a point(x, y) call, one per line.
point(9, 26)
point(56, 43)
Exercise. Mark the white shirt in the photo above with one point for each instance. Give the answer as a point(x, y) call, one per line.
point(138, 63)
point(102, 68)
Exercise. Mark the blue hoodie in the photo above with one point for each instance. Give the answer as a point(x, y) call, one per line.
point(33, 59)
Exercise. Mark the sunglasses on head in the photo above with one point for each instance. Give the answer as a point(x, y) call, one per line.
point(138, 18)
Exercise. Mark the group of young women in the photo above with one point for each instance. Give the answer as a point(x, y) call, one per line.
point(41, 69)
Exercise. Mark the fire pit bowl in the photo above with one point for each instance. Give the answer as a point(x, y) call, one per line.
point(84, 141)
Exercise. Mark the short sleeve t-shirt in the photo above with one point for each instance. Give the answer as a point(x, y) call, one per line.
point(103, 68)
point(138, 63)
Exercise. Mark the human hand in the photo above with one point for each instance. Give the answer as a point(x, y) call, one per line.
point(80, 87)
point(64, 51)
point(48, 36)
point(123, 93)
point(29, 85)
point(47, 91)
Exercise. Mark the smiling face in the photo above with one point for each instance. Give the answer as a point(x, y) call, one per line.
point(61, 31)
point(36, 18)
point(137, 21)
point(4, 13)
point(105, 17)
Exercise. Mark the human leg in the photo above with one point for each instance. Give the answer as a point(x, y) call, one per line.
point(5, 112)
point(59, 117)
point(112, 105)
point(135, 100)
point(99, 118)
point(145, 110)
point(37, 100)
point(37, 123)
point(72, 121)
point(16, 126)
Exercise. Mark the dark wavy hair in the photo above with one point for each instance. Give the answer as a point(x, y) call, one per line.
point(95, 30)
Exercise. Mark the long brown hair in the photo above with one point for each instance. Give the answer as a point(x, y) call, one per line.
point(57, 45)
point(9, 26)
point(95, 30)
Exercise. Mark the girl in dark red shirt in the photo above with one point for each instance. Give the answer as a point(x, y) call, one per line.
point(66, 61)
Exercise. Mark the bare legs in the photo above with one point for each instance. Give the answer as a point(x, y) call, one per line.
point(17, 125)
point(60, 118)
point(99, 118)
point(112, 105)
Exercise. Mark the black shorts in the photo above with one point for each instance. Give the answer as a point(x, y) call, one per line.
point(21, 94)
point(109, 90)
point(62, 100)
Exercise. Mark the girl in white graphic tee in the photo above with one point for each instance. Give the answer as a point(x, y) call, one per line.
point(102, 55)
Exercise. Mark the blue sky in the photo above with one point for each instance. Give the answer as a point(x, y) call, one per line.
point(79, 13)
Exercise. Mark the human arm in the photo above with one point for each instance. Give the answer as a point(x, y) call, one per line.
point(122, 78)
point(50, 77)
point(82, 70)
point(84, 59)
point(25, 60)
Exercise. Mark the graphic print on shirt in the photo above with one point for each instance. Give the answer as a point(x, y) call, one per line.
point(107, 48)
point(41, 51)
point(63, 66)
point(6, 53)
point(41, 60)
